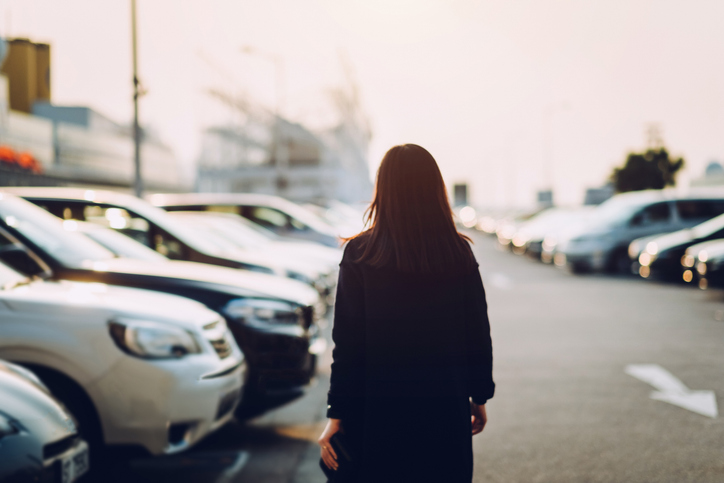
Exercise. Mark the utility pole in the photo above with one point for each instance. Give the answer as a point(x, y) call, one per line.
point(138, 181)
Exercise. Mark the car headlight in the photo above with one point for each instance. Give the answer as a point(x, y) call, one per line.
point(652, 248)
point(634, 249)
point(646, 259)
point(152, 340)
point(7, 427)
point(264, 311)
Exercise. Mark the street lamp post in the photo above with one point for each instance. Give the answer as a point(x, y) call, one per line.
point(138, 180)
point(281, 155)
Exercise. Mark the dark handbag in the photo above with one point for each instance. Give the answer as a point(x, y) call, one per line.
point(344, 459)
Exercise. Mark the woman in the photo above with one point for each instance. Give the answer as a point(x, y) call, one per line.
point(412, 365)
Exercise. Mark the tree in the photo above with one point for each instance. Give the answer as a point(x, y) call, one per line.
point(652, 169)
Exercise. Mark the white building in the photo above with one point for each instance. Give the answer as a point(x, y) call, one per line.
point(271, 155)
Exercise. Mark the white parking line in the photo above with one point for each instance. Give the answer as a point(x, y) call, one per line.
point(673, 391)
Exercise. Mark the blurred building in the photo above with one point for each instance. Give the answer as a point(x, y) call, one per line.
point(71, 144)
point(596, 196)
point(713, 176)
point(266, 153)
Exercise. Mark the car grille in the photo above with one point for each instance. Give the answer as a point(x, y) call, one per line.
point(59, 447)
point(222, 347)
point(308, 316)
point(218, 335)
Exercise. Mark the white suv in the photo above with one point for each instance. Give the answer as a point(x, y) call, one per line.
point(134, 367)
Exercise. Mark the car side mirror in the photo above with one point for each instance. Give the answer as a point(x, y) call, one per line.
point(21, 259)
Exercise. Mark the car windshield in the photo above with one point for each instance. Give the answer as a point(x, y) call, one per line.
point(204, 242)
point(122, 245)
point(709, 227)
point(616, 212)
point(9, 277)
point(229, 229)
point(46, 231)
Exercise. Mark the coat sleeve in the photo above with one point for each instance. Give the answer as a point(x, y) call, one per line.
point(479, 345)
point(348, 376)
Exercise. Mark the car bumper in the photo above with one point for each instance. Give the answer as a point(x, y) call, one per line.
point(167, 406)
point(279, 360)
point(584, 255)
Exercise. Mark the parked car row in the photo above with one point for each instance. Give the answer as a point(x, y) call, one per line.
point(657, 234)
point(147, 329)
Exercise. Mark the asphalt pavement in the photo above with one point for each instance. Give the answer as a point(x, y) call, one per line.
point(599, 379)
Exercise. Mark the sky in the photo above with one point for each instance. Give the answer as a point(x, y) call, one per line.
point(510, 96)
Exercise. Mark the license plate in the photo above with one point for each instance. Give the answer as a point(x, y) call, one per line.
point(75, 465)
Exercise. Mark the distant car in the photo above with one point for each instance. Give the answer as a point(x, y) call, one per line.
point(133, 367)
point(703, 264)
point(347, 219)
point(661, 258)
point(39, 441)
point(529, 237)
point(603, 242)
point(273, 319)
point(154, 228)
point(281, 216)
point(507, 226)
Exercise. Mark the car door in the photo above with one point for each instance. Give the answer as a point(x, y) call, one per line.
point(651, 220)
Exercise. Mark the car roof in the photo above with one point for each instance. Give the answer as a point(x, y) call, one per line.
point(78, 194)
point(235, 199)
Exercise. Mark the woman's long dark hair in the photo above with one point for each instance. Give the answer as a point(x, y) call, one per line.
point(410, 222)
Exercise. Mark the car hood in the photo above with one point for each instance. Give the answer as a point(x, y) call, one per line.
point(285, 261)
point(714, 249)
point(252, 283)
point(672, 240)
point(105, 302)
point(33, 407)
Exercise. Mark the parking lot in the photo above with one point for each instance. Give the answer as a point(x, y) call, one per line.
point(565, 408)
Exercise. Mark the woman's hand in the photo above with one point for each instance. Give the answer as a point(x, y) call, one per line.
point(478, 417)
point(328, 455)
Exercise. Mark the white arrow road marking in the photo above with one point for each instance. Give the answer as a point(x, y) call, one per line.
point(672, 390)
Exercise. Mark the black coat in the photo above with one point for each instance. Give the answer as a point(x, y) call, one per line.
point(410, 350)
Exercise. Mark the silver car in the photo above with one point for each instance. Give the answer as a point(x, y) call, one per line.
point(602, 243)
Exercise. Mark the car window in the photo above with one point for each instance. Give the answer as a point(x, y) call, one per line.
point(652, 215)
point(223, 209)
point(269, 217)
point(120, 220)
point(46, 231)
point(122, 245)
point(699, 209)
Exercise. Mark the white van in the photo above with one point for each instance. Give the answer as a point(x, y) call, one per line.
point(134, 367)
